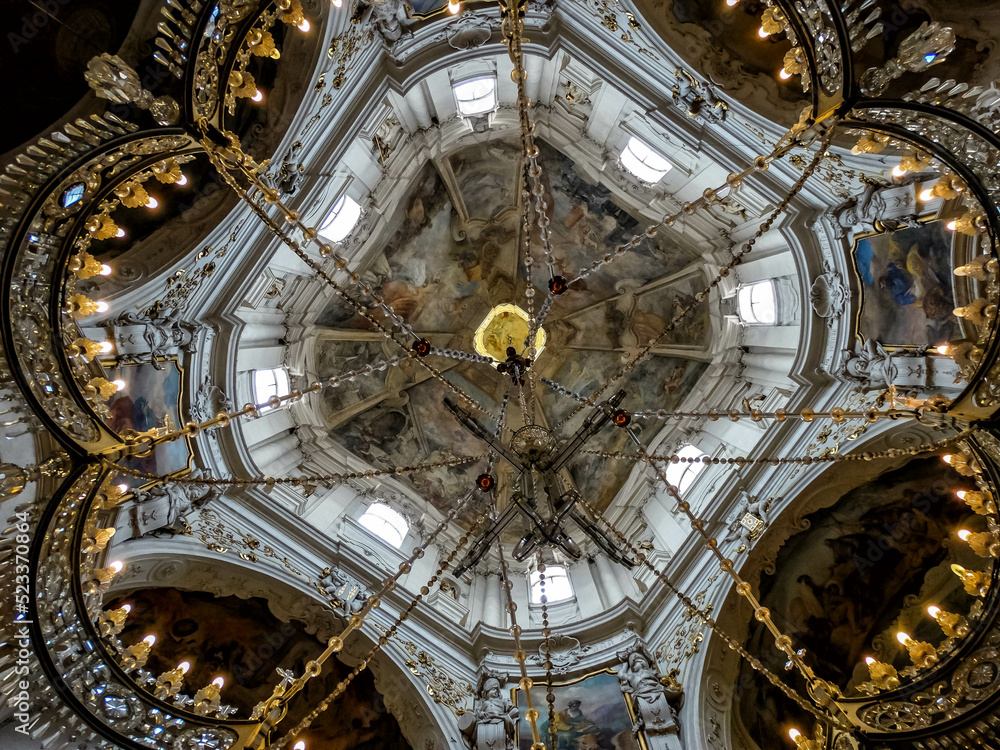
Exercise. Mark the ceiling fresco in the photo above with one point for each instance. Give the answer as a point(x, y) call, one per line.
point(862, 570)
point(243, 642)
point(453, 256)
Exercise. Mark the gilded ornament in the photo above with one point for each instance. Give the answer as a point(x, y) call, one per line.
point(101, 227)
point(132, 194)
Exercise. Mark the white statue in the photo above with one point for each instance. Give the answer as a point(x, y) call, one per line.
point(650, 698)
point(490, 724)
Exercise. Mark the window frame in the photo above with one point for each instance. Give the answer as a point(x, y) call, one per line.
point(279, 376)
point(747, 312)
point(642, 165)
point(534, 584)
point(378, 516)
point(473, 111)
point(336, 211)
point(683, 474)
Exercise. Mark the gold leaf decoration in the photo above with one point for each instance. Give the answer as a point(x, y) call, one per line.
point(132, 194)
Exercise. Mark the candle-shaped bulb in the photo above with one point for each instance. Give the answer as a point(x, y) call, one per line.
point(219, 682)
point(950, 226)
point(120, 233)
point(794, 734)
point(183, 178)
point(150, 639)
point(784, 75)
point(127, 608)
point(926, 195)
point(947, 458)
point(300, 745)
point(258, 96)
point(106, 270)
point(151, 202)
point(960, 494)
point(902, 637)
point(304, 26)
point(763, 33)
point(964, 534)
point(453, 6)
point(898, 171)
point(184, 666)
point(102, 306)
point(119, 384)
point(942, 349)
point(106, 347)
point(869, 660)
point(933, 611)
point(117, 566)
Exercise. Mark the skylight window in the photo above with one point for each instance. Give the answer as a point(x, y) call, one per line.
point(682, 474)
point(557, 585)
point(343, 217)
point(476, 96)
point(755, 303)
point(269, 383)
point(385, 523)
point(643, 162)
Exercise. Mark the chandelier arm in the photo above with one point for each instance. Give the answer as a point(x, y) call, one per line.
point(674, 458)
point(388, 634)
point(695, 611)
point(461, 355)
point(240, 161)
point(296, 480)
point(780, 415)
point(550, 697)
point(737, 258)
point(525, 683)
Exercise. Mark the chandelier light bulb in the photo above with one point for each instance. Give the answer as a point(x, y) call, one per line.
point(106, 347)
point(219, 682)
point(102, 306)
point(898, 171)
point(784, 75)
point(960, 494)
point(300, 745)
point(454, 6)
point(127, 608)
point(933, 611)
point(762, 33)
point(119, 384)
point(258, 96)
point(106, 270)
point(337, 3)
point(947, 458)
point(151, 202)
point(794, 734)
point(926, 195)
point(304, 26)
point(120, 233)
point(951, 225)
point(964, 535)
point(903, 638)
point(150, 639)
point(184, 180)
point(184, 666)
point(942, 349)
point(869, 660)
point(117, 566)
point(732, 3)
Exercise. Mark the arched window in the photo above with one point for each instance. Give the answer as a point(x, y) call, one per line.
point(643, 162)
point(476, 96)
point(755, 303)
point(268, 383)
point(343, 217)
point(385, 523)
point(683, 473)
point(557, 586)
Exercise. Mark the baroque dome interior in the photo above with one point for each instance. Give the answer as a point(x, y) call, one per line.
point(539, 375)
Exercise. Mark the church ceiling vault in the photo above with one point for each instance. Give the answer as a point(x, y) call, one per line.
point(532, 375)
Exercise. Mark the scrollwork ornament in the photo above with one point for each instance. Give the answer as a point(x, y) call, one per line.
point(204, 738)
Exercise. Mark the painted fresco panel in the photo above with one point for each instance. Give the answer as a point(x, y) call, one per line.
point(590, 714)
point(906, 286)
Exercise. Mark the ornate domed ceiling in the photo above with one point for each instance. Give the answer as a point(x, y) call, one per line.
point(451, 256)
point(273, 410)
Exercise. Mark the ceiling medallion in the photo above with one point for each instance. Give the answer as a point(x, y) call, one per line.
point(505, 325)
